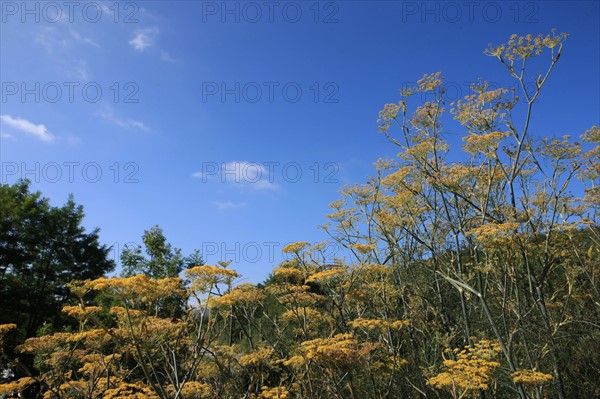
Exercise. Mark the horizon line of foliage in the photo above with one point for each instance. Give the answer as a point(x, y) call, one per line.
point(462, 280)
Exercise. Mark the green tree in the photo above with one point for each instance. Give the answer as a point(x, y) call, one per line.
point(162, 259)
point(42, 248)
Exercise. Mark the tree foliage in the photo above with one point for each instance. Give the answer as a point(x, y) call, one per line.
point(42, 248)
point(162, 259)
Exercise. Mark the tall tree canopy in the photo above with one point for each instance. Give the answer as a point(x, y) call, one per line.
point(163, 260)
point(42, 248)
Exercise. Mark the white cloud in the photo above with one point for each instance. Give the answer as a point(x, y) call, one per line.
point(264, 185)
point(26, 126)
point(240, 171)
point(54, 39)
point(85, 40)
point(73, 140)
point(242, 174)
point(4, 135)
point(144, 38)
point(108, 116)
point(228, 205)
point(167, 57)
point(81, 70)
point(48, 38)
point(65, 46)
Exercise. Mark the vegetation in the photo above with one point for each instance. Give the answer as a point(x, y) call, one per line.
point(461, 280)
point(41, 249)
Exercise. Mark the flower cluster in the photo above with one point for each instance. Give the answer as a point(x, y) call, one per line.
point(470, 371)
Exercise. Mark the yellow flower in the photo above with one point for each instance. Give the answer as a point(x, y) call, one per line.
point(430, 82)
point(139, 288)
point(326, 276)
point(274, 393)
point(341, 350)
point(244, 294)
point(261, 357)
point(378, 324)
point(81, 313)
point(363, 248)
point(296, 295)
point(192, 389)
point(531, 378)
point(44, 344)
point(205, 277)
point(15, 387)
point(492, 234)
point(289, 273)
point(305, 315)
point(130, 391)
point(471, 371)
point(208, 270)
point(295, 247)
point(485, 143)
point(4, 328)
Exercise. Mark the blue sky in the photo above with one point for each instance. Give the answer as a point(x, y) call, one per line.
point(232, 125)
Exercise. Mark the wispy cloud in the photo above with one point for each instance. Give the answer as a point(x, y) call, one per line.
point(242, 174)
point(143, 39)
point(7, 136)
point(239, 171)
point(59, 39)
point(81, 70)
point(167, 57)
point(73, 140)
point(64, 45)
point(48, 38)
point(81, 39)
point(265, 185)
point(228, 205)
point(26, 126)
point(108, 115)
